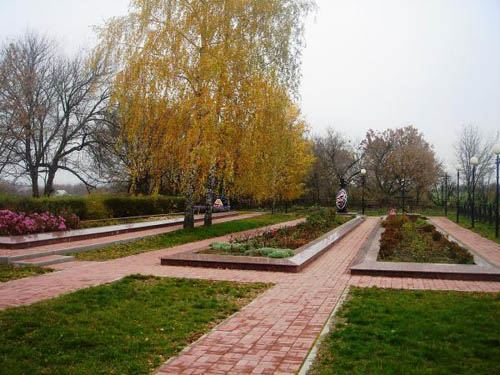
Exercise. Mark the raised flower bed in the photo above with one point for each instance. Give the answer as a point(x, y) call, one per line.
point(254, 253)
point(281, 243)
point(410, 238)
point(410, 246)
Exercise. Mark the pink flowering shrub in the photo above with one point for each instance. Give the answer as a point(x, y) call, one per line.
point(13, 223)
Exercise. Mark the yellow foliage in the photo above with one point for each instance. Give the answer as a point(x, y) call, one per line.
point(203, 88)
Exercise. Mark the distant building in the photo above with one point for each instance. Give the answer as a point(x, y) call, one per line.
point(60, 193)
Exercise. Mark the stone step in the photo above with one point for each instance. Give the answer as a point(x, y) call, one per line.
point(45, 260)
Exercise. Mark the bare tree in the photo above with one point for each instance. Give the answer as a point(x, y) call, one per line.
point(26, 97)
point(50, 106)
point(336, 158)
point(82, 95)
point(471, 142)
point(109, 151)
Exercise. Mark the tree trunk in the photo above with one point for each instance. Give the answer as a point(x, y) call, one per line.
point(49, 185)
point(34, 184)
point(209, 198)
point(189, 210)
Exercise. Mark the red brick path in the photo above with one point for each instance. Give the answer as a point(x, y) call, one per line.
point(272, 335)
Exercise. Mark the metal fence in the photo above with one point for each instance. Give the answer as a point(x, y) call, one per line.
point(484, 212)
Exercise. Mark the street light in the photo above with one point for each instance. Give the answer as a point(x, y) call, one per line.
point(363, 176)
point(446, 173)
point(474, 161)
point(458, 166)
point(496, 150)
point(403, 181)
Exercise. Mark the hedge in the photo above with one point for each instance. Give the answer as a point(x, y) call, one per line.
point(95, 207)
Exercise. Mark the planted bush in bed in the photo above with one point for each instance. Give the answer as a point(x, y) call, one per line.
point(14, 223)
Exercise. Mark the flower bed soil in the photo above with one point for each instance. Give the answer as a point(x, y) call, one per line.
point(412, 239)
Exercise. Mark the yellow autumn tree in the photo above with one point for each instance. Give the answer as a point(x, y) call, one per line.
point(275, 158)
point(194, 63)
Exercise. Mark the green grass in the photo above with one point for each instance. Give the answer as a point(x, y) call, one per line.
point(383, 331)
point(128, 327)
point(182, 236)
point(9, 272)
point(484, 229)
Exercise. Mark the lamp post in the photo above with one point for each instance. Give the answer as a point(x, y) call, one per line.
point(363, 176)
point(445, 195)
point(403, 194)
point(458, 191)
point(474, 161)
point(496, 150)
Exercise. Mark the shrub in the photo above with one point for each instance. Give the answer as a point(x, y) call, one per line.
point(137, 206)
point(13, 223)
point(259, 252)
point(224, 246)
point(55, 206)
point(72, 221)
point(322, 218)
point(95, 206)
point(396, 221)
point(428, 228)
point(281, 253)
point(270, 252)
point(459, 253)
point(436, 236)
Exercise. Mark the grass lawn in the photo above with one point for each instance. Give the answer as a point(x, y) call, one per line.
point(9, 272)
point(484, 229)
point(182, 236)
point(384, 331)
point(128, 327)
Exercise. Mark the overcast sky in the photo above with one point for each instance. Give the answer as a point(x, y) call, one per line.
point(374, 64)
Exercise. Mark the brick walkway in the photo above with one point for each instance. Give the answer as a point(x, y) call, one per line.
point(273, 334)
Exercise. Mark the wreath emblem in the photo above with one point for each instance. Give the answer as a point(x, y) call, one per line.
point(341, 200)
